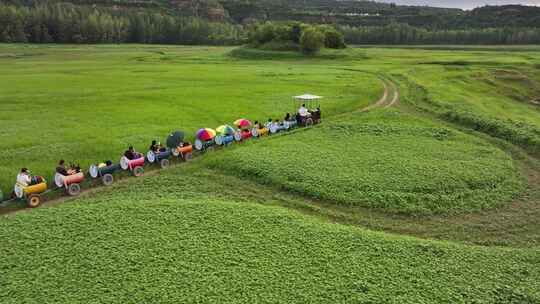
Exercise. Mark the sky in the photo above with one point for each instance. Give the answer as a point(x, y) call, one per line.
point(464, 4)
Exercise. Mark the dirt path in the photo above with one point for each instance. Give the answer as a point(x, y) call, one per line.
point(389, 98)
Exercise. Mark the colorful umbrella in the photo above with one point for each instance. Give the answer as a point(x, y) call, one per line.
point(206, 134)
point(242, 123)
point(175, 139)
point(225, 130)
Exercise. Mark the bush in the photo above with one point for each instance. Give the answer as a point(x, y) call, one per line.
point(333, 39)
point(311, 41)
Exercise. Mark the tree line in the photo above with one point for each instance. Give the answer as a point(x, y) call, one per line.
point(67, 23)
point(405, 34)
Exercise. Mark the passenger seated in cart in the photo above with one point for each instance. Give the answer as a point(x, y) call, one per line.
point(23, 178)
point(154, 147)
point(104, 164)
point(157, 147)
point(74, 169)
point(61, 168)
point(131, 154)
point(268, 124)
point(303, 111)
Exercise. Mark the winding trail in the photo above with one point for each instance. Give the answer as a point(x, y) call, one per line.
point(389, 98)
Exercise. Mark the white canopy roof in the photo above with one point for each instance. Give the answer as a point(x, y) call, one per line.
point(307, 97)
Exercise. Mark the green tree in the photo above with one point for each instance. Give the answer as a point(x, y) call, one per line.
point(333, 39)
point(311, 41)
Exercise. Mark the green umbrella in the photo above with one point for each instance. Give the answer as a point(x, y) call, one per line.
point(175, 139)
point(225, 130)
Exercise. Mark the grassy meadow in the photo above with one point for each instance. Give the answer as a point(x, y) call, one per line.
point(384, 160)
point(88, 103)
point(183, 236)
point(434, 200)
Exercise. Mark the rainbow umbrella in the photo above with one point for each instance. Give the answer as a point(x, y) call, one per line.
point(242, 123)
point(206, 134)
point(225, 130)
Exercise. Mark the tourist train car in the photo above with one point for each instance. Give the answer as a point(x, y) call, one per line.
point(205, 139)
point(179, 148)
point(244, 129)
point(185, 152)
point(259, 130)
point(313, 116)
point(161, 157)
point(104, 172)
point(276, 127)
point(291, 124)
point(32, 194)
point(135, 165)
point(71, 183)
point(225, 135)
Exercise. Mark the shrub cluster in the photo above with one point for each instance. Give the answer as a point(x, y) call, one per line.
point(294, 37)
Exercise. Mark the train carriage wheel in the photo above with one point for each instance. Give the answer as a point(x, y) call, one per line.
point(188, 156)
point(199, 145)
point(18, 191)
point(138, 171)
point(74, 189)
point(151, 156)
point(94, 171)
point(164, 163)
point(59, 180)
point(124, 163)
point(238, 136)
point(219, 140)
point(107, 179)
point(33, 200)
point(309, 122)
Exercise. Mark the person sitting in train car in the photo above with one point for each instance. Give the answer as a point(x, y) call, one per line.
point(161, 147)
point(74, 169)
point(303, 111)
point(61, 168)
point(154, 147)
point(130, 153)
point(23, 178)
point(268, 124)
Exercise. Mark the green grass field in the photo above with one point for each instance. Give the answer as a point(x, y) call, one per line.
point(88, 103)
point(434, 200)
point(385, 160)
point(177, 237)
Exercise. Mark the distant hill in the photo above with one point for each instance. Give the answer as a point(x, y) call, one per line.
point(346, 12)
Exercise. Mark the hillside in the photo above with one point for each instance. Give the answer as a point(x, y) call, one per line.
point(348, 12)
